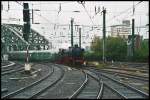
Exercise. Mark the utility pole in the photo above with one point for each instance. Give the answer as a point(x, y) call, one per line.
point(133, 37)
point(133, 31)
point(80, 37)
point(104, 33)
point(72, 32)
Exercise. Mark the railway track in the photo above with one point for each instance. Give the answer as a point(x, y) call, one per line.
point(105, 92)
point(52, 81)
point(37, 87)
point(8, 64)
point(138, 66)
point(8, 67)
point(13, 68)
point(134, 76)
point(127, 75)
point(11, 71)
point(93, 87)
point(143, 67)
point(11, 79)
point(87, 90)
point(109, 93)
point(3, 63)
point(124, 90)
point(128, 69)
point(137, 82)
point(70, 82)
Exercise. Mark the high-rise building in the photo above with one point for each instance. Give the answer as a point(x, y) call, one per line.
point(122, 30)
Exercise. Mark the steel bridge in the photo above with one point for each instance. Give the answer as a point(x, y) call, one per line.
point(12, 39)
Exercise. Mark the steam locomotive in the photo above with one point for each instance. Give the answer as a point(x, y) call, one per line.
point(72, 55)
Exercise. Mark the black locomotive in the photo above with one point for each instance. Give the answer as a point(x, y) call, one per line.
point(72, 55)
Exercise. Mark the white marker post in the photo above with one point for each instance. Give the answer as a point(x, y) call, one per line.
point(27, 65)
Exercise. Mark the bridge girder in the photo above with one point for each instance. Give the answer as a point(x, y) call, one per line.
point(12, 39)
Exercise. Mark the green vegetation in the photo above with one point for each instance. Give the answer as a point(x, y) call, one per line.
point(116, 50)
point(142, 54)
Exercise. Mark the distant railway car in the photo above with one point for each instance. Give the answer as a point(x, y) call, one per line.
point(34, 55)
point(72, 55)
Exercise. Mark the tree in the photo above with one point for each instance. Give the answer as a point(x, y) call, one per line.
point(96, 44)
point(142, 54)
point(116, 48)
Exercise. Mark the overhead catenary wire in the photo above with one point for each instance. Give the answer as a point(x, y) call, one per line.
point(70, 11)
point(123, 12)
point(85, 9)
point(133, 10)
point(87, 13)
point(55, 3)
point(67, 10)
point(38, 14)
point(48, 19)
point(130, 8)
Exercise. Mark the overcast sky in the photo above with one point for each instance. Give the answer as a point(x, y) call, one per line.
point(49, 18)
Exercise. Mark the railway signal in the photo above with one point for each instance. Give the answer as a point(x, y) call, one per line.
point(26, 19)
point(26, 32)
point(26, 14)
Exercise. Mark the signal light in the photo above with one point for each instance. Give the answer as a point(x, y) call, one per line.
point(26, 14)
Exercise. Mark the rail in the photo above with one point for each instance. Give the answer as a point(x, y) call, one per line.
point(78, 90)
point(30, 85)
point(127, 87)
point(62, 74)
